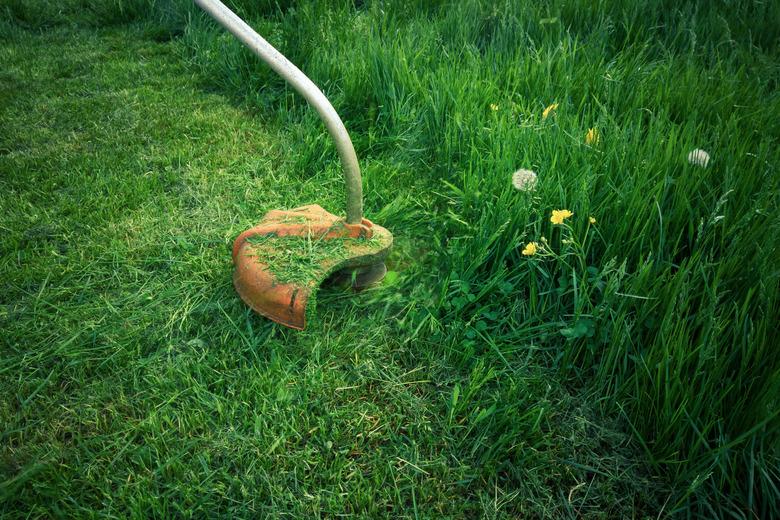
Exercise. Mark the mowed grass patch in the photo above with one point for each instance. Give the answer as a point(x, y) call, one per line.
point(137, 384)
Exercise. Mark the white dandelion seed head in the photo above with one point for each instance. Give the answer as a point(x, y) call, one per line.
point(524, 180)
point(699, 157)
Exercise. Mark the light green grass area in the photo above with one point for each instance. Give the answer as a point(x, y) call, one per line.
point(629, 368)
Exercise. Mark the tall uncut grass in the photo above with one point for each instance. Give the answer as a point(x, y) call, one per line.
point(667, 306)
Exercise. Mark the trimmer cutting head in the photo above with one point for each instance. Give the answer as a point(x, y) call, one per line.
point(281, 262)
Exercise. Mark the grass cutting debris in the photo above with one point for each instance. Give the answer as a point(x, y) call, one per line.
point(299, 259)
point(581, 311)
point(295, 259)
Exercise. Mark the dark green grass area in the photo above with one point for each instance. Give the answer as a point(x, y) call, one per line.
point(628, 369)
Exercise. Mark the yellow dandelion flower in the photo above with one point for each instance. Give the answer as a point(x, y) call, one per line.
point(559, 215)
point(549, 110)
point(592, 220)
point(592, 137)
point(530, 249)
point(493, 107)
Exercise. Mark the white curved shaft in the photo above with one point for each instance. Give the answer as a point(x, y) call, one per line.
point(305, 87)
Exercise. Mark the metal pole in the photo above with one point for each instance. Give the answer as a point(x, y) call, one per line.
point(305, 87)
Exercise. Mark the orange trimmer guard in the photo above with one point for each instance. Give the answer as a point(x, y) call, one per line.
point(281, 262)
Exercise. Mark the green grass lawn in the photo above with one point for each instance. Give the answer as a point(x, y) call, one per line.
point(629, 368)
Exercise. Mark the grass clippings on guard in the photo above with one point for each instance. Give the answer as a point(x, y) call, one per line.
point(299, 259)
